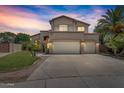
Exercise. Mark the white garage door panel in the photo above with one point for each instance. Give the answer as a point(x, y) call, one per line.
point(66, 47)
point(89, 47)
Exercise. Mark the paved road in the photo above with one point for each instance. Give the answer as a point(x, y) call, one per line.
point(78, 71)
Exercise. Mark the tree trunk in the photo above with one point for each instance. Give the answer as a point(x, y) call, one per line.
point(115, 52)
point(34, 53)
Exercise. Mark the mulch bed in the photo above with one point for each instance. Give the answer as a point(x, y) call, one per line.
point(20, 75)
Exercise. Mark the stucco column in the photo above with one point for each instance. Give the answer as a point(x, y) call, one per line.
point(97, 47)
point(82, 47)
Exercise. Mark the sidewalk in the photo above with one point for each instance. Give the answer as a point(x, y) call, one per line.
point(4, 54)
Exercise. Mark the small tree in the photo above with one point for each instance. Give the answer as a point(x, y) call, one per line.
point(113, 45)
point(32, 47)
point(120, 40)
point(116, 43)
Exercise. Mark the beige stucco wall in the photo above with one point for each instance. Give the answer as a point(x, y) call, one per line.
point(97, 47)
point(73, 36)
point(94, 37)
point(42, 34)
point(72, 24)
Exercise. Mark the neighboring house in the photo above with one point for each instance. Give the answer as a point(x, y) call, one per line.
point(69, 36)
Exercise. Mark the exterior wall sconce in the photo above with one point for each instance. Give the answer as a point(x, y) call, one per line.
point(49, 45)
point(97, 44)
point(83, 44)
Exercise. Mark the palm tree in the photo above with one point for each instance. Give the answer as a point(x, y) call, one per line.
point(110, 26)
point(113, 20)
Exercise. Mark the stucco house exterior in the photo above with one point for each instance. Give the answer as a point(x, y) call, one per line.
point(69, 36)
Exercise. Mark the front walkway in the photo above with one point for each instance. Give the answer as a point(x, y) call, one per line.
point(79, 71)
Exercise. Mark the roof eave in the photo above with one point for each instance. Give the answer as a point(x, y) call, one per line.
point(68, 17)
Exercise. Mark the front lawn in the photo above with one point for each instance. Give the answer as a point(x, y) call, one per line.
point(16, 61)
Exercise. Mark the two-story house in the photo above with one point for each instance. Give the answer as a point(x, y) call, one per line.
point(69, 36)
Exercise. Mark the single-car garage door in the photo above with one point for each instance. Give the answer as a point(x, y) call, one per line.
point(90, 47)
point(66, 47)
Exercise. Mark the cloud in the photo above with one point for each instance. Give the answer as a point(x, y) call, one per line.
point(90, 15)
point(11, 10)
point(90, 18)
point(19, 19)
point(16, 19)
point(21, 22)
point(73, 15)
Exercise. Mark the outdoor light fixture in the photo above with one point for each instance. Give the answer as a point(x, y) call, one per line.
point(97, 44)
point(49, 45)
point(83, 43)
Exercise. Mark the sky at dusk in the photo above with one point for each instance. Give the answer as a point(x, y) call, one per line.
point(31, 19)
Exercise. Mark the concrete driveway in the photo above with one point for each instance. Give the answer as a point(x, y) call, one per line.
point(78, 71)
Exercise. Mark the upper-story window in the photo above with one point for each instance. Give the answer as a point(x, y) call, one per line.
point(63, 27)
point(81, 28)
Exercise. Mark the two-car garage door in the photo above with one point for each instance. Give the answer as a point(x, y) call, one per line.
point(73, 47)
point(66, 47)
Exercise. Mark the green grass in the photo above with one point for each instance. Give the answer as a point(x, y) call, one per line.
point(16, 61)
